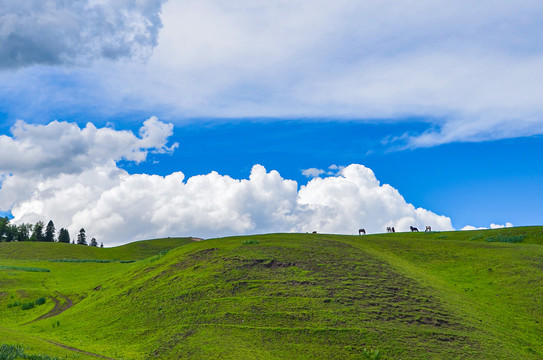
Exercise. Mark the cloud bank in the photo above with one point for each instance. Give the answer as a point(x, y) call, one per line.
point(470, 70)
point(85, 188)
point(55, 32)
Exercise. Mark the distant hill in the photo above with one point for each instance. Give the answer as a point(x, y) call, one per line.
point(441, 295)
point(137, 250)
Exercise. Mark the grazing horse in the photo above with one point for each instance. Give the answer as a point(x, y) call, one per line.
point(314, 232)
point(413, 229)
point(389, 229)
point(361, 232)
point(428, 228)
point(393, 230)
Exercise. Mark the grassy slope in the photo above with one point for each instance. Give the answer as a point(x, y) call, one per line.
point(64, 278)
point(439, 295)
point(49, 251)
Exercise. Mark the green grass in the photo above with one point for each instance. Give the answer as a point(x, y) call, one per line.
point(15, 352)
point(138, 250)
point(448, 295)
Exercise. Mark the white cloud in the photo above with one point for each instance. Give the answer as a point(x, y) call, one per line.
point(469, 69)
point(57, 32)
point(312, 172)
point(492, 226)
point(471, 227)
point(117, 207)
point(499, 226)
point(62, 147)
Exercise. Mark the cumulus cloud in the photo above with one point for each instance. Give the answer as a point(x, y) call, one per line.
point(117, 207)
point(57, 32)
point(62, 147)
point(492, 226)
point(499, 226)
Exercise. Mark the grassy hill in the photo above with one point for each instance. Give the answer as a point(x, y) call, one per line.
point(56, 251)
point(448, 295)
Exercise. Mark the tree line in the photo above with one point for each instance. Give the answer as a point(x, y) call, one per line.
point(41, 232)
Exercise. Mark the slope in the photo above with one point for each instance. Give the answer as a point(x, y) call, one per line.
point(137, 250)
point(402, 296)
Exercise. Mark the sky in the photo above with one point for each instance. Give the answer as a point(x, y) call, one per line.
point(139, 119)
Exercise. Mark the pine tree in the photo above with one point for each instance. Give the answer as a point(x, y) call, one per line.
point(93, 242)
point(81, 237)
point(11, 232)
point(50, 232)
point(63, 236)
point(37, 233)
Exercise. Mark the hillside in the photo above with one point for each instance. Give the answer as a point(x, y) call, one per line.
point(449, 295)
point(54, 251)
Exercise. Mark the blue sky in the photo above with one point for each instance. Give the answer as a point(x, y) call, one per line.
point(440, 101)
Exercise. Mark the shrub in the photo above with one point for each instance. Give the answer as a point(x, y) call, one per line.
point(13, 304)
point(40, 301)
point(83, 260)
point(28, 305)
point(158, 256)
point(13, 352)
point(506, 238)
point(371, 354)
point(250, 242)
point(23, 268)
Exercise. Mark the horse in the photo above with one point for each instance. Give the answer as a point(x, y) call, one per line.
point(314, 232)
point(413, 229)
point(393, 229)
point(389, 229)
point(428, 228)
point(361, 232)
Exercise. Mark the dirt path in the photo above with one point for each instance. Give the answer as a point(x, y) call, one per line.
point(57, 309)
point(77, 350)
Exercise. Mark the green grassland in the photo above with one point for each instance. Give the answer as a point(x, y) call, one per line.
point(440, 295)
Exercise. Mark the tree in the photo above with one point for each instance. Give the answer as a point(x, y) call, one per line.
point(4, 223)
point(63, 236)
point(93, 242)
point(50, 232)
point(81, 237)
point(11, 232)
point(23, 232)
point(37, 233)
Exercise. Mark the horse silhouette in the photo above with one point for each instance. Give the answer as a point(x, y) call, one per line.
point(413, 229)
point(361, 232)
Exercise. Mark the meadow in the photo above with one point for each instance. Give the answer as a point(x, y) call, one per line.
point(439, 295)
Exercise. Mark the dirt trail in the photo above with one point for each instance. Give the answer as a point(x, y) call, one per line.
point(58, 309)
point(77, 350)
